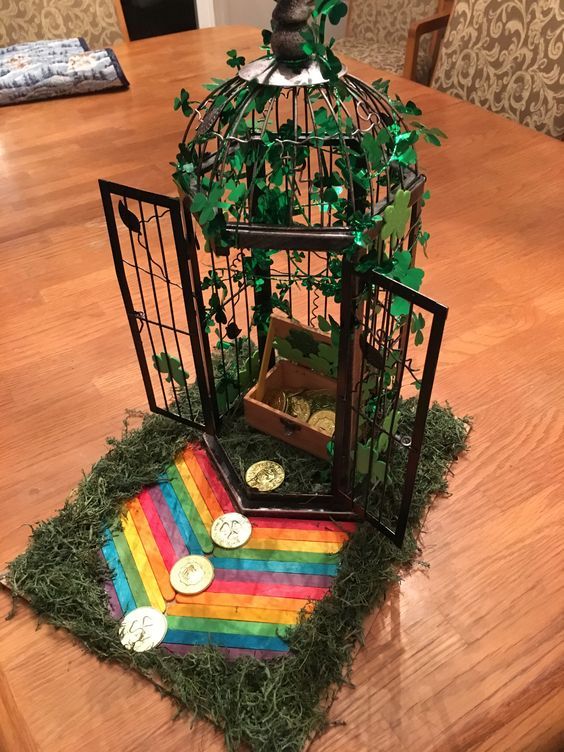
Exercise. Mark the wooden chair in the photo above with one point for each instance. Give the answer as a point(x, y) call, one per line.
point(33, 20)
point(380, 31)
point(506, 56)
point(436, 25)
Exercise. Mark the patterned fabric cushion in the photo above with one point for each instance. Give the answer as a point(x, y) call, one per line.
point(384, 57)
point(42, 70)
point(507, 56)
point(378, 31)
point(33, 20)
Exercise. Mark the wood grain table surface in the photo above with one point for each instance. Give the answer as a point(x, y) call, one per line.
point(465, 656)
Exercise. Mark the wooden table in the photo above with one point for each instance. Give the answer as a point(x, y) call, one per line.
point(465, 656)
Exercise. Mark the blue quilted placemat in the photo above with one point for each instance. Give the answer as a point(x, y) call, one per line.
point(56, 68)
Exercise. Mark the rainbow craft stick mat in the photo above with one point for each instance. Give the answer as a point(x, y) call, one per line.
point(258, 590)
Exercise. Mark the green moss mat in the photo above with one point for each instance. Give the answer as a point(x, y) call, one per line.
point(274, 705)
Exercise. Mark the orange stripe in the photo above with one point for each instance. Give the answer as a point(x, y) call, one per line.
point(201, 481)
point(238, 599)
point(152, 550)
point(194, 492)
point(263, 533)
point(234, 613)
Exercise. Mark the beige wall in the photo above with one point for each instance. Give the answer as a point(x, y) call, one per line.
point(251, 13)
point(248, 12)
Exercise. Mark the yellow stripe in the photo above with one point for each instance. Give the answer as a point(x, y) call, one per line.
point(194, 492)
point(239, 599)
point(234, 613)
point(310, 547)
point(142, 562)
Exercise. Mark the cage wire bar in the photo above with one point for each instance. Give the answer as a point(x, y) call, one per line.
point(199, 306)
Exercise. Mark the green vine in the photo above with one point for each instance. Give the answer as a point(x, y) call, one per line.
point(262, 162)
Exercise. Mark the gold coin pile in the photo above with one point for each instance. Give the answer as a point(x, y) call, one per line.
point(301, 404)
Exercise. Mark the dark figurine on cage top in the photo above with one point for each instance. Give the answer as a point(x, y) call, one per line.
point(279, 297)
point(289, 20)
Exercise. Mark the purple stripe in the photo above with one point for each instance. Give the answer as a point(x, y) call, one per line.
point(275, 578)
point(113, 600)
point(174, 534)
point(232, 653)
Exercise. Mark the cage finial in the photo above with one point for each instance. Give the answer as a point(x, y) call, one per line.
point(289, 20)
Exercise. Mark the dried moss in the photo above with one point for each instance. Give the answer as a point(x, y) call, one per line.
point(278, 704)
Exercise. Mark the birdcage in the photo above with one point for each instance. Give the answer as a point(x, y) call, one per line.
point(279, 293)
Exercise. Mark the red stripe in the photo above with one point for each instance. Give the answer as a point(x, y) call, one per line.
point(158, 530)
point(216, 486)
point(262, 522)
point(292, 524)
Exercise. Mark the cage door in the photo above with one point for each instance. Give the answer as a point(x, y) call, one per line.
point(392, 355)
point(156, 267)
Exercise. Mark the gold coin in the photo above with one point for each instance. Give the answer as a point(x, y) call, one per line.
point(276, 398)
point(265, 475)
point(231, 530)
point(299, 408)
point(143, 629)
point(324, 421)
point(192, 575)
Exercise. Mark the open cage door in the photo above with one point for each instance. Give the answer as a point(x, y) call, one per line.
point(393, 354)
point(156, 266)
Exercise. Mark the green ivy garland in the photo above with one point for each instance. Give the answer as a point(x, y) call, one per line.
point(219, 199)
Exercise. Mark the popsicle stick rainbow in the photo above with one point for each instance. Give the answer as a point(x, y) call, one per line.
point(258, 591)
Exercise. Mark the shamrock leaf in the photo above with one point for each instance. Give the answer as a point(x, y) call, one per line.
point(303, 341)
point(400, 307)
point(207, 206)
point(397, 216)
point(235, 60)
point(285, 350)
point(165, 363)
point(373, 150)
point(183, 101)
point(381, 85)
point(226, 393)
point(363, 462)
point(417, 326)
point(323, 324)
point(320, 365)
point(329, 353)
point(413, 278)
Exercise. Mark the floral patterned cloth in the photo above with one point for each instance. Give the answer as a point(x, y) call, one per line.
point(378, 30)
point(507, 56)
point(34, 20)
point(42, 70)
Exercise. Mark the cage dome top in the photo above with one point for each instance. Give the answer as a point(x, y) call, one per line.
point(293, 139)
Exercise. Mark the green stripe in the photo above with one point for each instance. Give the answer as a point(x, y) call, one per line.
point(268, 555)
point(189, 508)
point(225, 626)
point(131, 572)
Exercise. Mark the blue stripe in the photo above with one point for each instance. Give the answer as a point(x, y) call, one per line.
point(288, 567)
point(186, 637)
point(179, 515)
point(124, 594)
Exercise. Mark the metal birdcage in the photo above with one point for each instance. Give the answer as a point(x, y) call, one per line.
point(293, 242)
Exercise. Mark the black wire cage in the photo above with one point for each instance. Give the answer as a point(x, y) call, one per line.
point(300, 204)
